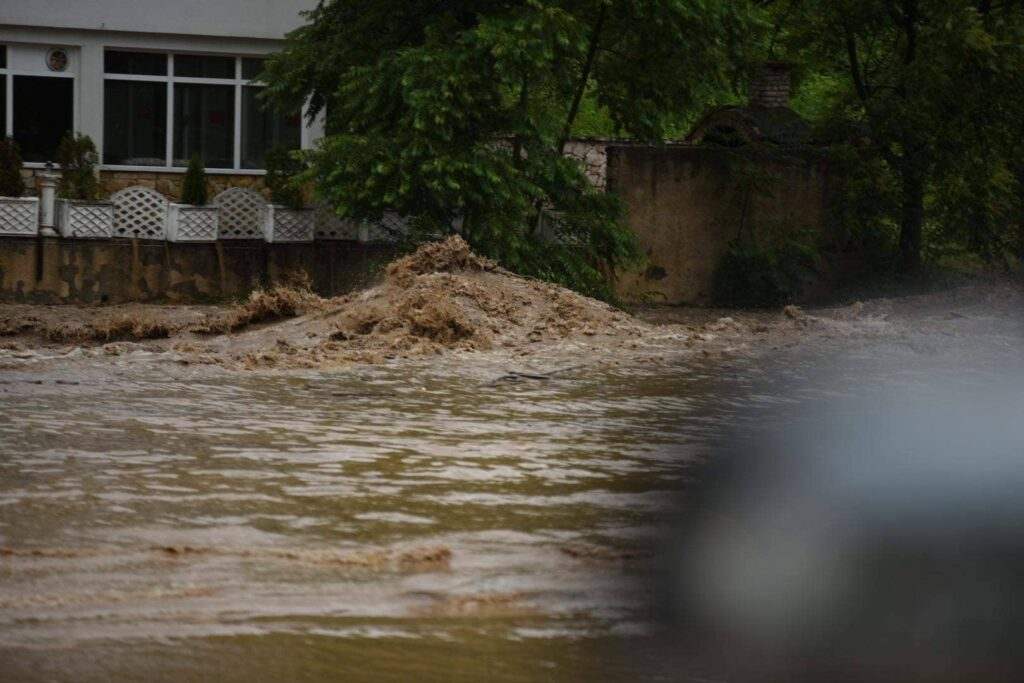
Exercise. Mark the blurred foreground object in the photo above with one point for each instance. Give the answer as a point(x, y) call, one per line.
point(876, 539)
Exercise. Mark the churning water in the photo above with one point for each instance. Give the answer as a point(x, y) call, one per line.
point(414, 520)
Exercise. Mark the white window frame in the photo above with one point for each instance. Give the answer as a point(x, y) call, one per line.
point(238, 83)
point(7, 75)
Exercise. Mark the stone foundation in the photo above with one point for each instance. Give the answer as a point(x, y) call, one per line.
point(52, 270)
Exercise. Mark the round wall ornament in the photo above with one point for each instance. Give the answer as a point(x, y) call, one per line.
point(57, 59)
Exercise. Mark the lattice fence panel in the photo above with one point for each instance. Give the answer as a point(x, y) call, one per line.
point(139, 212)
point(291, 225)
point(391, 228)
point(242, 213)
point(330, 227)
point(19, 216)
point(187, 223)
point(85, 219)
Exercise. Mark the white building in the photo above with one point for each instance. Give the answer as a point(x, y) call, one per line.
point(152, 82)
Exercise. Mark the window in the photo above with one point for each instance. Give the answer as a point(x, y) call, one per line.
point(204, 124)
point(196, 66)
point(263, 130)
point(252, 68)
point(43, 114)
point(3, 91)
point(36, 109)
point(135, 124)
point(135, 63)
point(162, 108)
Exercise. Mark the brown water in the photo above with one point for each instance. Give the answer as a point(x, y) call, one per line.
point(159, 524)
point(166, 523)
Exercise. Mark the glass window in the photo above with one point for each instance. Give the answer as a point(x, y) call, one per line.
point(200, 66)
point(42, 114)
point(252, 67)
point(3, 56)
point(139, 63)
point(135, 123)
point(204, 123)
point(263, 129)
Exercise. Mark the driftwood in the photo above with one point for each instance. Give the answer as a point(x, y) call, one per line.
point(516, 376)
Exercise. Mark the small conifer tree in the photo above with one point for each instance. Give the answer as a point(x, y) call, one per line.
point(77, 157)
point(193, 190)
point(11, 182)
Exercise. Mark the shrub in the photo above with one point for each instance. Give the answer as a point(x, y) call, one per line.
point(751, 275)
point(193, 189)
point(77, 157)
point(11, 182)
point(283, 167)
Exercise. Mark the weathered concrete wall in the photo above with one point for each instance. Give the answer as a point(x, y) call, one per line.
point(57, 270)
point(686, 204)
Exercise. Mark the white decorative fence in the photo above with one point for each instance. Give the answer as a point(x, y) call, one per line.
point(139, 212)
point(85, 218)
point(284, 224)
point(187, 223)
point(19, 216)
point(329, 226)
point(241, 215)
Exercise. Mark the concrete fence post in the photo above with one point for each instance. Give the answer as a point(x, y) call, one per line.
point(47, 200)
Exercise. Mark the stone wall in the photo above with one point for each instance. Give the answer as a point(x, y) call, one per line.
point(686, 203)
point(167, 184)
point(593, 154)
point(57, 270)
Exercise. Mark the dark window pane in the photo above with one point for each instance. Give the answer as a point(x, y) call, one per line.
point(3, 106)
point(3, 56)
point(263, 130)
point(198, 66)
point(42, 115)
point(204, 123)
point(134, 123)
point(141, 63)
point(252, 67)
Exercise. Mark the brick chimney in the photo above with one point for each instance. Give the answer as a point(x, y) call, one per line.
point(770, 87)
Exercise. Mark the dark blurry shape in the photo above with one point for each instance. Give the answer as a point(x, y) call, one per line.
point(875, 539)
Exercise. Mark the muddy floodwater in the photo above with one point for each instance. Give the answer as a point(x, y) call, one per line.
point(428, 520)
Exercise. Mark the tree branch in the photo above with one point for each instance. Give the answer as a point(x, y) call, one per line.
point(581, 86)
point(855, 70)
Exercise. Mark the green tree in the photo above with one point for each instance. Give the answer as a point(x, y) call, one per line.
point(11, 182)
point(77, 157)
point(458, 113)
point(193, 187)
point(284, 171)
point(933, 89)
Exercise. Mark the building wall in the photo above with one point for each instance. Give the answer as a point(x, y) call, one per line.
point(55, 270)
point(28, 46)
point(253, 18)
point(686, 203)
